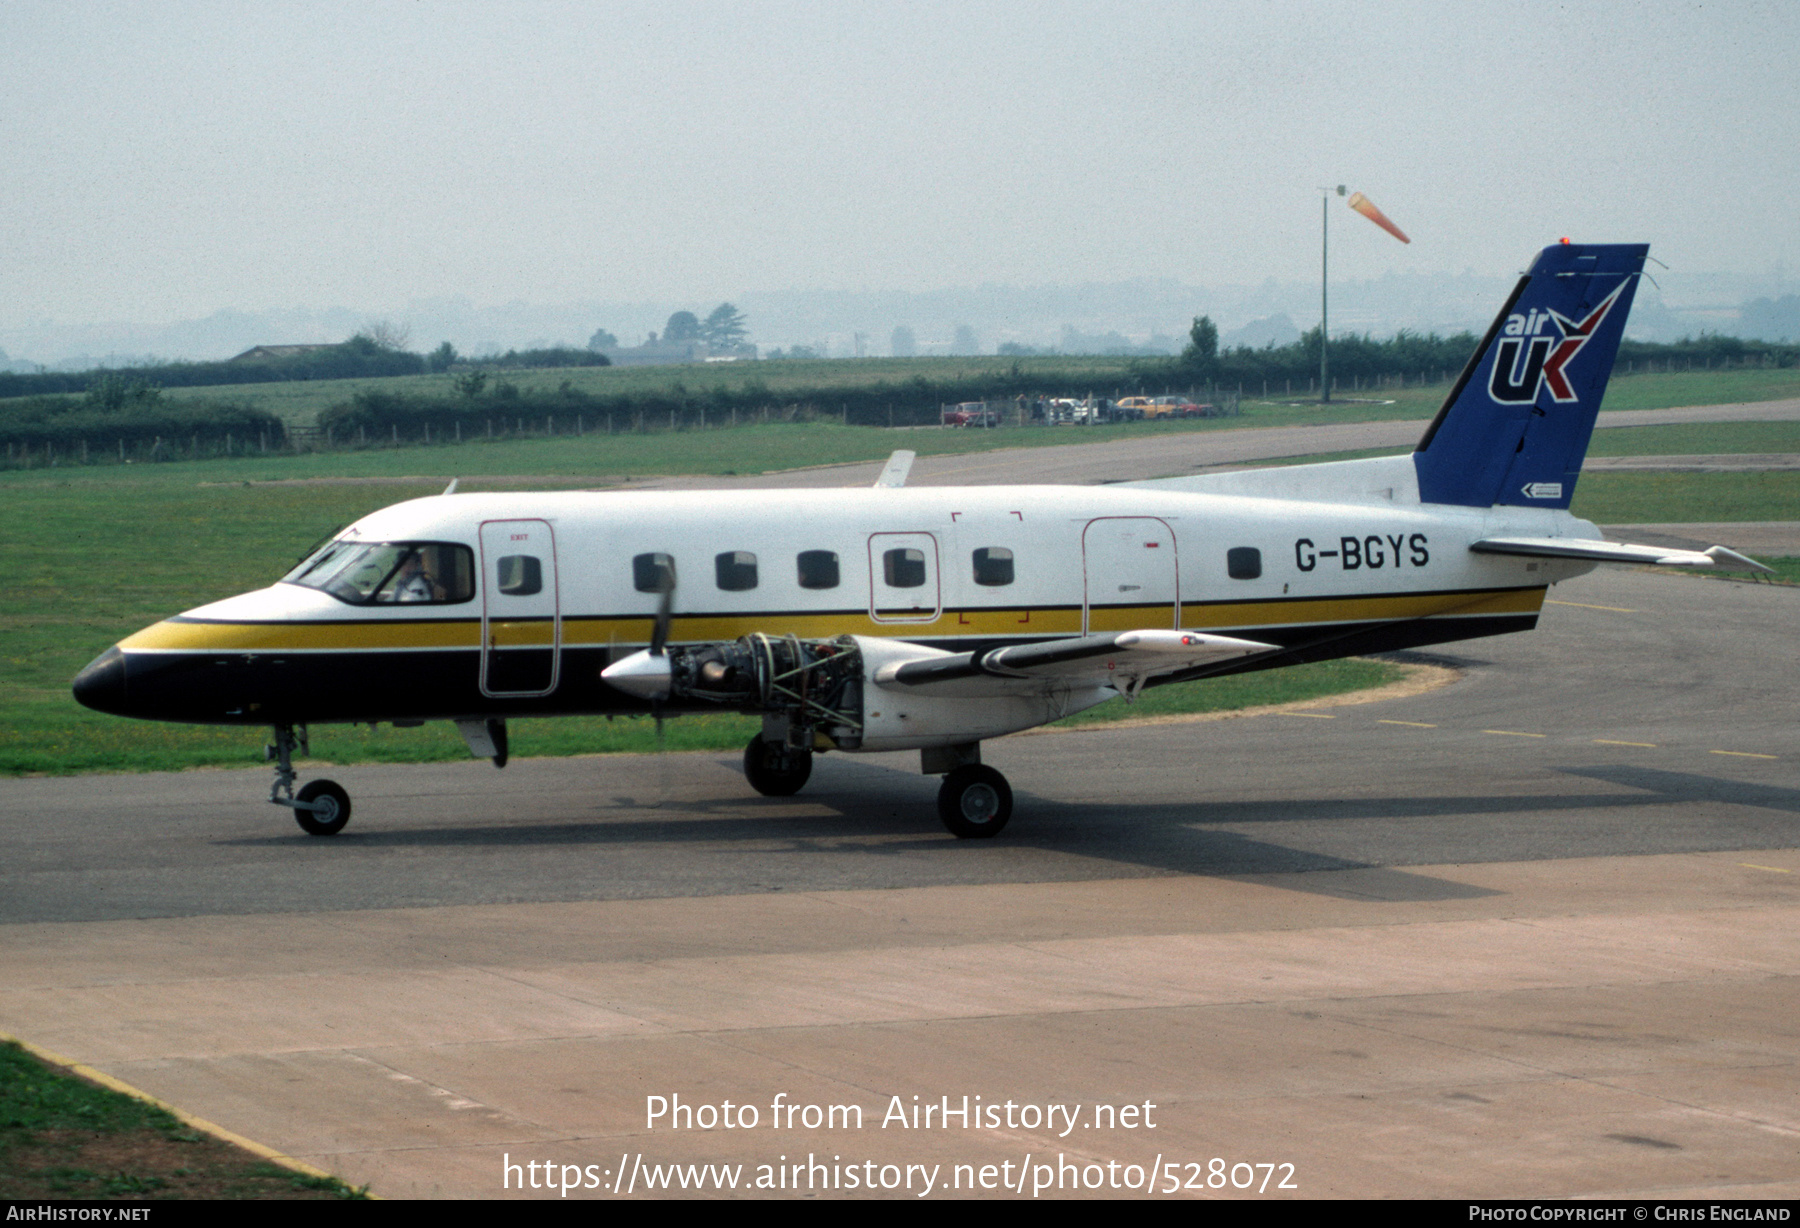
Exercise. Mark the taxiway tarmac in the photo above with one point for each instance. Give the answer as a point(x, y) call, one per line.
point(1530, 934)
point(1171, 455)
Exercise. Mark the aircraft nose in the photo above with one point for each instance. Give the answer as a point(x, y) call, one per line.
point(101, 686)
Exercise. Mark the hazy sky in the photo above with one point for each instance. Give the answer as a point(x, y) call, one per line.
point(163, 161)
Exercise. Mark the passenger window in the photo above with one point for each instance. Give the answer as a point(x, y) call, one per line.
point(735, 570)
point(904, 568)
point(993, 566)
point(818, 569)
point(653, 573)
point(521, 575)
point(1244, 563)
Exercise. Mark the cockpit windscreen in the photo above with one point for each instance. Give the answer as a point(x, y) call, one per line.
point(375, 573)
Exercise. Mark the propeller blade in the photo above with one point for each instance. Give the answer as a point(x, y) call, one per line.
point(659, 633)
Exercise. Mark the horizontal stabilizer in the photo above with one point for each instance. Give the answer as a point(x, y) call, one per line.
point(1123, 659)
point(1597, 551)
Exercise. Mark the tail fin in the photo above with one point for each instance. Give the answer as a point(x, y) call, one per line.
point(1516, 425)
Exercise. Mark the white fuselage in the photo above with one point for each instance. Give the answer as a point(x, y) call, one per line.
point(1330, 559)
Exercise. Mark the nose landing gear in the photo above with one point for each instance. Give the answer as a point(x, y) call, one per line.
point(321, 807)
point(775, 770)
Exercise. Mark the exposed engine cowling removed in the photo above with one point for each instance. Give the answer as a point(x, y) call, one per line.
point(813, 686)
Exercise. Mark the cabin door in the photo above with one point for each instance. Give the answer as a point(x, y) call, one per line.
point(521, 624)
point(1131, 576)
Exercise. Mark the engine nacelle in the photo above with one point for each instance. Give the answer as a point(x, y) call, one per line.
point(805, 689)
point(814, 686)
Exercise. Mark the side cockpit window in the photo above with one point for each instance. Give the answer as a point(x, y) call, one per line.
point(378, 573)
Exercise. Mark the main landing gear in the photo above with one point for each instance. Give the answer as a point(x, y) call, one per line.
point(974, 801)
point(321, 807)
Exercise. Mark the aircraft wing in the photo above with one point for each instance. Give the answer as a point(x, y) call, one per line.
point(1122, 659)
point(1597, 551)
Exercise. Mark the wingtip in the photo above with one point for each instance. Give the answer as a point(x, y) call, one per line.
point(1724, 557)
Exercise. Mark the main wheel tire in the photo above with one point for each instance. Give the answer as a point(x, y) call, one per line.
point(975, 802)
point(333, 808)
point(774, 771)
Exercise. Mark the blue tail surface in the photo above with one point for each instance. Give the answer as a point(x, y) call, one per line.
point(1516, 425)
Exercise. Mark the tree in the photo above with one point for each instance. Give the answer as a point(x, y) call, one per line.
point(682, 326)
point(441, 358)
point(724, 328)
point(602, 340)
point(1202, 353)
point(903, 344)
point(386, 334)
point(112, 393)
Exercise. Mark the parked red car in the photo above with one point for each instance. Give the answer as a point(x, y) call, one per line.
point(971, 413)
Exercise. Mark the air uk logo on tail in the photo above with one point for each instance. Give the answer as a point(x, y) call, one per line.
point(1515, 380)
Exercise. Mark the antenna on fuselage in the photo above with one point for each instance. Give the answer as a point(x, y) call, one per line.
point(451, 489)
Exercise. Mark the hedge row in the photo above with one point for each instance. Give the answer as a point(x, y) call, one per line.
point(1415, 357)
point(356, 358)
point(911, 403)
point(68, 425)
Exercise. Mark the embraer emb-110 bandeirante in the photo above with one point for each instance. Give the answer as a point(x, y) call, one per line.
point(931, 619)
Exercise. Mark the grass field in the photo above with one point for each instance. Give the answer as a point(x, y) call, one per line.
point(1697, 439)
point(1657, 498)
point(63, 1137)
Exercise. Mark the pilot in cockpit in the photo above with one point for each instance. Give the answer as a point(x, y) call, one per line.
point(412, 582)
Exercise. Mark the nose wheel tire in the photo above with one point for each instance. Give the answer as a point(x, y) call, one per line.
point(975, 802)
point(323, 810)
point(775, 771)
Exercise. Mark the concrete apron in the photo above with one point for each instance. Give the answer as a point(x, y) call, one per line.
point(1619, 1027)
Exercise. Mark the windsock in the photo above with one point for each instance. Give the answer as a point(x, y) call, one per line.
point(1363, 205)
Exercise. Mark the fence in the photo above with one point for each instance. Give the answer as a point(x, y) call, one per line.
point(49, 453)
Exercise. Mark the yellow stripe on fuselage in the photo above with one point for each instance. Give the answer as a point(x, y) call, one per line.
point(177, 636)
point(392, 635)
